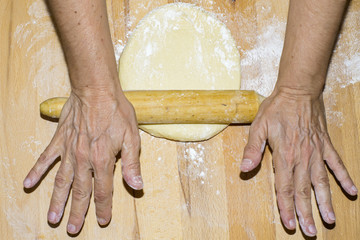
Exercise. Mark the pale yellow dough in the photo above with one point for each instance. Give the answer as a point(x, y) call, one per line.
point(179, 47)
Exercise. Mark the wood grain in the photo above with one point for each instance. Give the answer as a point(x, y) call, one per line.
point(192, 190)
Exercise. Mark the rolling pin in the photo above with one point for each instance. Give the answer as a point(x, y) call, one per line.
point(182, 106)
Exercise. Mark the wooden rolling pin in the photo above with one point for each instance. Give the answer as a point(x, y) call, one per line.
point(182, 106)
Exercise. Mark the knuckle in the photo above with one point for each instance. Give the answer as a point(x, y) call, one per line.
point(251, 148)
point(42, 158)
point(303, 192)
point(80, 193)
point(132, 165)
point(61, 181)
point(77, 216)
point(102, 164)
point(286, 191)
point(339, 163)
point(322, 181)
point(101, 197)
point(286, 210)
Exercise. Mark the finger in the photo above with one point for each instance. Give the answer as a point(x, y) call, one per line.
point(82, 185)
point(63, 180)
point(302, 183)
point(103, 166)
point(320, 181)
point(103, 192)
point(254, 148)
point(51, 152)
point(130, 160)
point(337, 166)
point(81, 192)
point(284, 184)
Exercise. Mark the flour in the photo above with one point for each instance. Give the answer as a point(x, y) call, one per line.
point(260, 64)
point(48, 71)
point(352, 69)
point(344, 70)
point(118, 48)
point(37, 29)
point(195, 168)
point(21, 224)
point(33, 146)
point(47, 74)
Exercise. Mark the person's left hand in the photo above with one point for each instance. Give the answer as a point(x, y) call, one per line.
point(294, 124)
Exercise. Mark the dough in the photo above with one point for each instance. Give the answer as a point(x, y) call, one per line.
point(180, 47)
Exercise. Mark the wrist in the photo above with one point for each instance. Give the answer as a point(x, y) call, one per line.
point(296, 92)
point(294, 81)
point(95, 93)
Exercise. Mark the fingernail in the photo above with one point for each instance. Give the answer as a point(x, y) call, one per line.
point(312, 229)
point(331, 216)
point(27, 182)
point(136, 183)
point(101, 221)
point(292, 223)
point(137, 180)
point(245, 164)
point(71, 228)
point(354, 189)
point(52, 217)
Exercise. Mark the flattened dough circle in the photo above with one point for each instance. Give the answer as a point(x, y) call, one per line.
point(180, 47)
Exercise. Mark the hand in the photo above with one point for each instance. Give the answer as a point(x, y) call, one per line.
point(294, 124)
point(91, 132)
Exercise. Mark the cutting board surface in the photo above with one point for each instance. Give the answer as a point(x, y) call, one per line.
point(192, 190)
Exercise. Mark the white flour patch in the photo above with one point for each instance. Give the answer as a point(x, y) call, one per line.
point(260, 64)
point(196, 169)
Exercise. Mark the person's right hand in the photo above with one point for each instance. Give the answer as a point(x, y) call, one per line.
point(92, 129)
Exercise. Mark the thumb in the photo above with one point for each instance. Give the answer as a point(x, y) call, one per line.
point(254, 148)
point(130, 161)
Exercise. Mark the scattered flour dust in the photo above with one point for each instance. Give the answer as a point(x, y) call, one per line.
point(48, 71)
point(196, 167)
point(35, 38)
point(259, 67)
point(32, 146)
point(21, 224)
point(344, 68)
point(260, 64)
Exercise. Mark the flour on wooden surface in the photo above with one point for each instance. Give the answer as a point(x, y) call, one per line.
point(196, 169)
point(20, 223)
point(344, 70)
point(260, 64)
point(48, 71)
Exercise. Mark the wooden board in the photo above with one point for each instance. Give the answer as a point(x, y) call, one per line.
point(192, 190)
